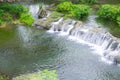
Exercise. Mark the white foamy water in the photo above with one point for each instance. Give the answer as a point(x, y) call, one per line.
point(89, 33)
point(34, 10)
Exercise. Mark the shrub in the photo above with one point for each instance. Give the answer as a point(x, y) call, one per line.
point(80, 1)
point(73, 10)
point(80, 11)
point(6, 17)
point(10, 11)
point(118, 20)
point(1, 12)
point(65, 7)
point(0, 21)
point(111, 12)
point(26, 18)
point(88, 1)
point(15, 9)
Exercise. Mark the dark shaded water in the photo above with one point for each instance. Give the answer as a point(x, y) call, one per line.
point(25, 50)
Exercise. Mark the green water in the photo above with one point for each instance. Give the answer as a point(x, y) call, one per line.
point(28, 49)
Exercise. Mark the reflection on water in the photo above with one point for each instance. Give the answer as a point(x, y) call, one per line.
point(26, 50)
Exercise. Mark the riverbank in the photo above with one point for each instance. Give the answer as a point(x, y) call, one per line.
point(13, 13)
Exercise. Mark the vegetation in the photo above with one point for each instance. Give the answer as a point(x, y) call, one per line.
point(111, 12)
point(111, 26)
point(40, 75)
point(26, 18)
point(10, 12)
point(3, 77)
point(81, 1)
point(73, 10)
point(88, 1)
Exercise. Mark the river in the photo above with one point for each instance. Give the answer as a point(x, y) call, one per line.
point(26, 49)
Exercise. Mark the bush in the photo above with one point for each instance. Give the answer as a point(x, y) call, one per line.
point(7, 17)
point(80, 11)
point(26, 18)
point(80, 1)
point(65, 7)
point(10, 11)
point(111, 12)
point(1, 12)
point(73, 10)
point(92, 1)
point(15, 9)
point(118, 20)
point(0, 21)
point(88, 1)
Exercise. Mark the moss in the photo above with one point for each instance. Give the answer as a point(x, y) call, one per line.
point(40, 75)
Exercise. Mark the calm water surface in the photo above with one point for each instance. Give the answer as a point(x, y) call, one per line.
point(26, 50)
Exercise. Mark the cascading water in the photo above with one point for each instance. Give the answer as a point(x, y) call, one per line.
point(91, 33)
point(34, 10)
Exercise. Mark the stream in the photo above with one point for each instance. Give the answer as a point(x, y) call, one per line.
point(26, 49)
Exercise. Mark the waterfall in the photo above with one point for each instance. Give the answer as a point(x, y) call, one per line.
point(34, 10)
point(90, 33)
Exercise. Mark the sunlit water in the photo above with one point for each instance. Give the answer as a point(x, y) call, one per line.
point(26, 50)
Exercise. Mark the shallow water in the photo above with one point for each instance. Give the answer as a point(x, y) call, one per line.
point(27, 50)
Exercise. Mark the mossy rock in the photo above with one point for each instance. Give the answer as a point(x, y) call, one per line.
point(54, 16)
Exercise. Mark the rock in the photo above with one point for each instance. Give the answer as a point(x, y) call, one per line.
point(117, 59)
point(42, 13)
point(114, 45)
point(46, 24)
point(106, 53)
point(77, 25)
point(43, 24)
point(112, 56)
